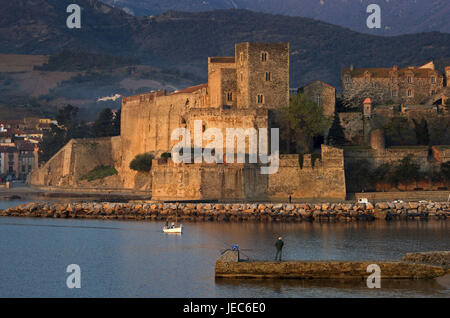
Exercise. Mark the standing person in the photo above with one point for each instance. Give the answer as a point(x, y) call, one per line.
point(279, 245)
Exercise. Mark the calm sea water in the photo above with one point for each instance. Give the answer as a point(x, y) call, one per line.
point(135, 259)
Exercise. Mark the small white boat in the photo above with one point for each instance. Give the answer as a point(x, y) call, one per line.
point(173, 229)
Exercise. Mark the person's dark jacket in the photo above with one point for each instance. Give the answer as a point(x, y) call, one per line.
point(279, 244)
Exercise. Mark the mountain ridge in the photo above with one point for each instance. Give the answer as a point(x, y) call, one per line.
point(184, 40)
point(398, 16)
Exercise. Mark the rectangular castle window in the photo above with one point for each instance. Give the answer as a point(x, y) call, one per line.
point(318, 100)
point(409, 79)
point(260, 99)
point(433, 80)
point(268, 76)
point(394, 93)
point(410, 93)
point(230, 96)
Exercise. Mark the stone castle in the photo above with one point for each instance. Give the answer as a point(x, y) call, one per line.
point(241, 92)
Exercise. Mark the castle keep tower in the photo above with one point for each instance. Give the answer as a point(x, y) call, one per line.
point(262, 71)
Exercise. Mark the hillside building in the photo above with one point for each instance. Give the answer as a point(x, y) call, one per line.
point(411, 85)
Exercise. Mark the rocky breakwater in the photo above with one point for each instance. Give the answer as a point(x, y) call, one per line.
point(238, 212)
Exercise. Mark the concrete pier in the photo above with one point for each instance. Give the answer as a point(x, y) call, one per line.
point(339, 270)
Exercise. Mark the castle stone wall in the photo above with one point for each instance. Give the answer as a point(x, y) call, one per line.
point(323, 179)
point(77, 158)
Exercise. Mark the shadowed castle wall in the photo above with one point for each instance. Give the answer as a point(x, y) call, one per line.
point(77, 158)
point(324, 179)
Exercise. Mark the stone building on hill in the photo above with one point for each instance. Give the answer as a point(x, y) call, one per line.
point(322, 94)
point(411, 85)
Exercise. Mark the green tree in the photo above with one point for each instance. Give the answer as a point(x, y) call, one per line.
point(398, 132)
point(358, 176)
point(445, 171)
point(67, 116)
point(104, 125)
point(142, 162)
point(406, 170)
point(384, 173)
point(421, 130)
point(305, 120)
point(336, 135)
point(69, 126)
point(53, 140)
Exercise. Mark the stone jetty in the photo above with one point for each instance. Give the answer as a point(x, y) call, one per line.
point(440, 258)
point(237, 212)
point(228, 265)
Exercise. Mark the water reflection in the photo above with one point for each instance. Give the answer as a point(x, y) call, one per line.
point(340, 288)
point(136, 259)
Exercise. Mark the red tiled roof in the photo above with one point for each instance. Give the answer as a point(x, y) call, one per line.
point(319, 81)
point(367, 101)
point(387, 72)
point(146, 96)
point(191, 89)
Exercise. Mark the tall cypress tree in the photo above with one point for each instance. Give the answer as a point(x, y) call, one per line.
point(336, 135)
point(104, 126)
point(421, 130)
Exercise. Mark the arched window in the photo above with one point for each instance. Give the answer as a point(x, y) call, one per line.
point(264, 56)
